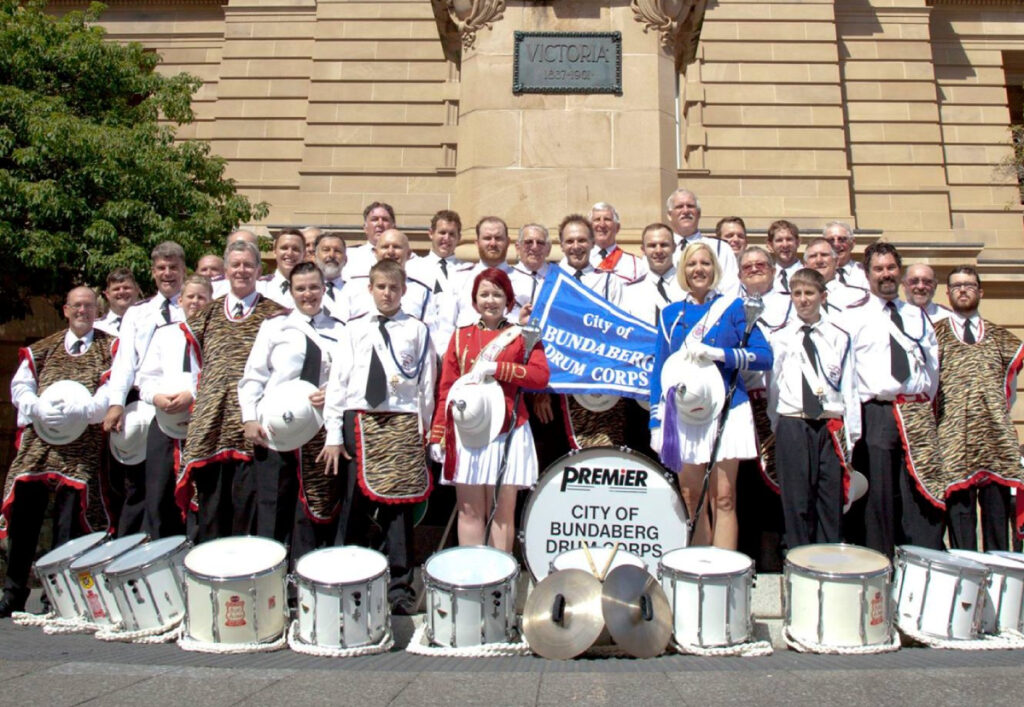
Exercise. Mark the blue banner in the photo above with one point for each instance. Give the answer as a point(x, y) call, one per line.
point(592, 346)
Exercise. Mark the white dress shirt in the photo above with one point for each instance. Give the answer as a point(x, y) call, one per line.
point(277, 288)
point(358, 262)
point(845, 296)
point(231, 302)
point(163, 370)
point(603, 282)
point(137, 327)
point(853, 274)
point(790, 271)
point(644, 301)
point(526, 283)
point(428, 271)
point(110, 323)
point(627, 266)
point(25, 386)
point(408, 360)
point(730, 284)
point(936, 312)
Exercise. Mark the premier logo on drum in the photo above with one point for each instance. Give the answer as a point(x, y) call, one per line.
point(629, 480)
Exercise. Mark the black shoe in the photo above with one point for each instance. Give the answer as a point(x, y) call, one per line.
point(9, 604)
point(403, 607)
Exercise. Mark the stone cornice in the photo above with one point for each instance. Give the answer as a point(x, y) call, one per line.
point(471, 16)
point(678, 23)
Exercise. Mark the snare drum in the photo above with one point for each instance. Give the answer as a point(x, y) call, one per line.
point(577, 560)
point(147, 583)
point(938, 594)
point(1005, 593)
point(235, 590)
point(54, 570)
point(709, 590)
point(471, 596)
point(837, 595)
point(88, 571)
point(343, 597)
point(602, 495)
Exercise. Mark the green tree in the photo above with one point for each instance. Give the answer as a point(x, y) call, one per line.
point(91, 177)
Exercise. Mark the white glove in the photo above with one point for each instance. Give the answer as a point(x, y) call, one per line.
point(48, 414)
point(77, 410)
point(486, 368)
point(29, 405)
point(702, 352)
point(656, 440)
point(437, 453)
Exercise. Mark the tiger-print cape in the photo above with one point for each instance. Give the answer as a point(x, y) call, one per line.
point(77, 464)
point(976, 434)
point(587, 428)
point(215, 432)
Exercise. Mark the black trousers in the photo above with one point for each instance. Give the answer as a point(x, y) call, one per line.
point(892, 511)
point(550, 438)
point(226, 494)
point(131, 519)
point(277, 489)
point(26, 521)
point(811, 479)
point(996, 512)
point(638, 429)
point(162, 517)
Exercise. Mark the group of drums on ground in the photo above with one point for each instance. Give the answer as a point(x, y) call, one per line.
point(835, 371)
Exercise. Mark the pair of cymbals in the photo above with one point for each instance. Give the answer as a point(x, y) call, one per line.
point(566, 612)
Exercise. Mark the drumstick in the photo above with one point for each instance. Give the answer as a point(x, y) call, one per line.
point(608, 564)
point(590, 560)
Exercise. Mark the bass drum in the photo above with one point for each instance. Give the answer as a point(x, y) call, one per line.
point(602, 496)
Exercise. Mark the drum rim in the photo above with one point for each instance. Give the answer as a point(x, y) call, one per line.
point(674, 571)
point(120, 572)
point(302, 579)
point(107, 560)
point(1016, 569)
point(912, 557)
point(430, 581)
point(326, 550)
point(869, 574)
point(39, 566)
point(233, 578)
point(668, 475)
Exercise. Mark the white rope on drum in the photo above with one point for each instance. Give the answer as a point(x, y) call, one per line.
point(166, 633)
point(385, 644)
point(419, 644)
point(890, 646)
point(187, 643)
point(1006, 640)
point(753, 649)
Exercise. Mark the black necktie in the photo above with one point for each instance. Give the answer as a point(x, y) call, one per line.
point(444, 267)
point(842, 275)
point(661, 288)
point(311, 363)
point(812, 403)
point(165, 309)
point(437, 287)
point(578, 275)
point(238, 310)
point(784, 280)
point(284, 287)
point(117, 322)
point(968, 334)
point(330, 289)
point(76, 348)
point(376, 379)
point(603, 253)
point(898, 361)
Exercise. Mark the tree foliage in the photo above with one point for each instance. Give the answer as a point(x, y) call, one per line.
point(91, 177)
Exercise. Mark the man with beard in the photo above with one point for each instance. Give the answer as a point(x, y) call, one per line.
point(377, 218)
point(820, 256)
point(896, 357)
point(840, 237)
point(606, 254)
point(784, 242)
point(122, 292)
point(980, 363)
point(329, 255)
point(684, 217)
point(919, 288)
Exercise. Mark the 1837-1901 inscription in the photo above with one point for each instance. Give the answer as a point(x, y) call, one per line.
point(567, 62)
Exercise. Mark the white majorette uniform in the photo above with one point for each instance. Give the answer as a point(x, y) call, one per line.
point(782, 275)
point(526, 283)
point(897, 369)
point(730, 284)
point(603, 282)
point(646, 297)
point(109, 323)
point(815, 411)
point(277, 288)
point(852, 274)
point(615, 260)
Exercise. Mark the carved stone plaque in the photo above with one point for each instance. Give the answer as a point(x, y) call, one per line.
point(567, 62)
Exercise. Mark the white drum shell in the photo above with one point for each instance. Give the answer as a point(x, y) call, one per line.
point(93, 587)
point(709, 591)
point(938, 594)
point(151, 595)
point(1004, 596)
point(836, 608)
point(54, 571)
point(471, 596)
point(248, 608)
point(343, 614)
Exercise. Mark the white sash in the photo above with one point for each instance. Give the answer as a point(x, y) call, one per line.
point(709, 320)
point(498, 343)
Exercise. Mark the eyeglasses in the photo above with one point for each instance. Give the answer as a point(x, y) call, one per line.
point(968, 286)
point(920, 281)
point(754, 267)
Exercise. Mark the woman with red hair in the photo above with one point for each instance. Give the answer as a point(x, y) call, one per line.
point(490, 353)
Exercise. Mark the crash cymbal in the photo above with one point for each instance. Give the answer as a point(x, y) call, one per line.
point(636, 611)
point(562, 615)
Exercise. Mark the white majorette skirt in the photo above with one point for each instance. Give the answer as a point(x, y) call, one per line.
point(480, 466)
point(738, 442)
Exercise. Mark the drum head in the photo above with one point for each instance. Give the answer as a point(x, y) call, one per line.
point(108, 551)
point(602, 496)
point(69, 550)
point(470, 566)
point(937, 558)
point(707, 561)
point(145, 554)
point(341, 565)
point(241, 556)
point(1003, 565)
point(577, 559)
point(838, 560)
